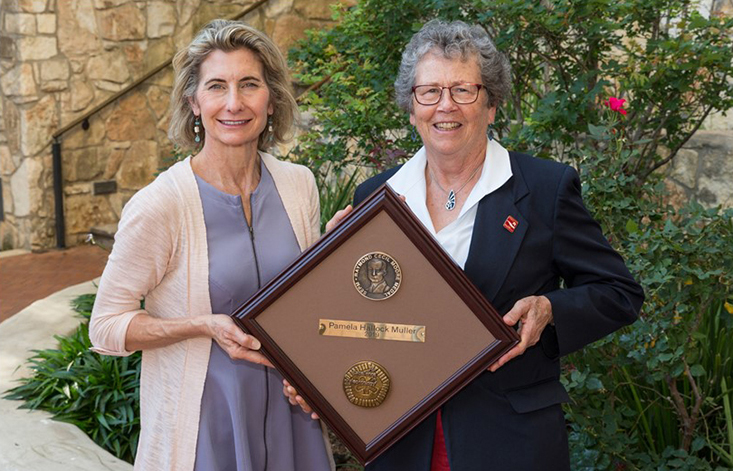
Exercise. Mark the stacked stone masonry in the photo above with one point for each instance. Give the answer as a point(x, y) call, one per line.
point(703, 170)
point(59, 59)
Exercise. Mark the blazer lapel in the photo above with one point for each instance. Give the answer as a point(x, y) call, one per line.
point(494, 247)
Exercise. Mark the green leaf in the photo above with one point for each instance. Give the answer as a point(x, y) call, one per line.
point(597, 132)
point(697, 370)
point(594, 384)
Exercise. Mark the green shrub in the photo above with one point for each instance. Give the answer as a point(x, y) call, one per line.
point(97, 393)
point(336, 186)
point(653, 396)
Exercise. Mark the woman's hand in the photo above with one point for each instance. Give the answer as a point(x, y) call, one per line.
point(237, 344)
point(533, 313)
point(338, 217)
point(297, 400)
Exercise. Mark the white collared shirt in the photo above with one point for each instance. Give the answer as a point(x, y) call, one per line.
point(455, 238)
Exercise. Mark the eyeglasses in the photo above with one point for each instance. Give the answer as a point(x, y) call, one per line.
point(462, 94)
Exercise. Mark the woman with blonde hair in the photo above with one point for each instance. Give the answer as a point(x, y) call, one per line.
point(198, 242)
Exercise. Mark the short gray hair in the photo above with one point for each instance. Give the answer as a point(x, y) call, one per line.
point(454, 40)
point(228, 36)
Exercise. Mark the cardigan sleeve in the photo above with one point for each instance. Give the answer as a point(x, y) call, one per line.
point(141, 256)
point(314, 208)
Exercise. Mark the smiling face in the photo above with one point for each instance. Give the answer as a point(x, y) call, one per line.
point(448, 129)
point(232, 99)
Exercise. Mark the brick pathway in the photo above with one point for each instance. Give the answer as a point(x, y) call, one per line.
point(29, 277)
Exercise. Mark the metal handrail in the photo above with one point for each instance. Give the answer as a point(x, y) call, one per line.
point(84, 121)
point(112, 98)
point(144, 77)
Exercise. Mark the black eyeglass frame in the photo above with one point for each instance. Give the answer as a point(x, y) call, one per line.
point(450, 92)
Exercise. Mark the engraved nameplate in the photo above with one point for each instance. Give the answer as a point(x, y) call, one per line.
point(371, 330)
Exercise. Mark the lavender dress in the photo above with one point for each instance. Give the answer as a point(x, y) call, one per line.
point(246, 422)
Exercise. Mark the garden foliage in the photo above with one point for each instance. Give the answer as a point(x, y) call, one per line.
point(657, 394)
point(97, 393)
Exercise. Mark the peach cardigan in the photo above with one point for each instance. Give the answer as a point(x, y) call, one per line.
point(160, 254)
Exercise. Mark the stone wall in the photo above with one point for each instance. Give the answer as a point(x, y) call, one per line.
point(703, 170)
point(59, 59)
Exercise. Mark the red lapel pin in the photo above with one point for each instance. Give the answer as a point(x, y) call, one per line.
point(510, 224)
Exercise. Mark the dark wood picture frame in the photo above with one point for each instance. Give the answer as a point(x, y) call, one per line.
point(387, 201)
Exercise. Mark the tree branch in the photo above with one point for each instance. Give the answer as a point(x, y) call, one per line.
point(679, 145)
point(679, 405)
point(695, 409)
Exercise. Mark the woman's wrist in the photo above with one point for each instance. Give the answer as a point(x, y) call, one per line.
point(204, 325)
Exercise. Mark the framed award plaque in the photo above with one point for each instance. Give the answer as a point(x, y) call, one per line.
point(375, 325)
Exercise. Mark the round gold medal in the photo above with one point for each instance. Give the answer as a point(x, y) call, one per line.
point(366, 384)
point(377, 276)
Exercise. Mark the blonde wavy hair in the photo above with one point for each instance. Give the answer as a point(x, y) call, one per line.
point(227, 36)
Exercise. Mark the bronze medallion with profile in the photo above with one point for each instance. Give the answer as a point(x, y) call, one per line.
point(377, 276)
point(366, 384)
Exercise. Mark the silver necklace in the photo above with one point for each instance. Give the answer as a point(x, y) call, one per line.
point(450, 204)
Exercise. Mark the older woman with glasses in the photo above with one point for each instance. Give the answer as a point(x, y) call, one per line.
point(517, 226)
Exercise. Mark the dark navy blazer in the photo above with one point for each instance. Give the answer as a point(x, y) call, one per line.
point(512, 419)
